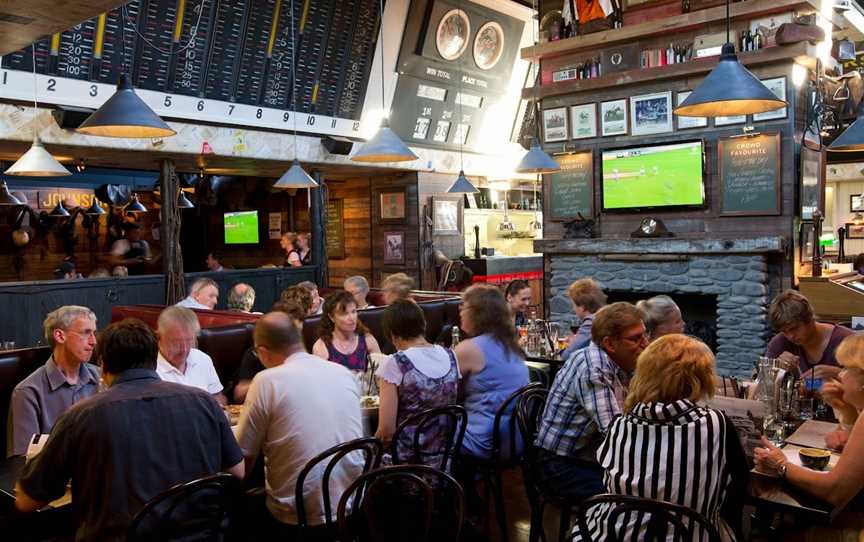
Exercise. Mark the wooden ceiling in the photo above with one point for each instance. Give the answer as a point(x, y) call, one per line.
point(23, 22)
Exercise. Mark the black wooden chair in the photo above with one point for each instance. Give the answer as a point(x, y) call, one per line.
point(455, 420)
point(372, 450)
point(205, 509)
point(400, 503)
point(660, 519)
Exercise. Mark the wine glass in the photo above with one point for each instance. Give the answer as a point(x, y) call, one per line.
point(553, 330)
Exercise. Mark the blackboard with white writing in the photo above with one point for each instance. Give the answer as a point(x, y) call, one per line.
point(572, 188)
point(335, 230)
point(750, 175)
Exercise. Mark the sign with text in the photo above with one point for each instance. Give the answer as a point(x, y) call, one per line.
point(572, 189)
point(750, 175)
point(335, 230)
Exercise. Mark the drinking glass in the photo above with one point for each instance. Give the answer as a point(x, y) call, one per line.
point(554, 331)
point(774, 429)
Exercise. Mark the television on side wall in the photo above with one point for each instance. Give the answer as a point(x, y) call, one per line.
point(241, 228)
point(648, 177)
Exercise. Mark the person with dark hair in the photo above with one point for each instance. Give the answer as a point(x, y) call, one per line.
point(518, 295)
point(131, 251)
point(342, 336)
point(295, 409)
point(113, 445)
point(419, 376)
point(802, 341)
point(317, 300)
point(214, 261)
point(491, 363)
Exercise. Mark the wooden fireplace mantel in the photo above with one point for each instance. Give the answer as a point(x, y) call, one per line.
point(673, 245)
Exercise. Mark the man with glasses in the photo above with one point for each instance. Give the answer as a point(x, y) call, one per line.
point(586, 396)
point(66, 378)
point(179, 361)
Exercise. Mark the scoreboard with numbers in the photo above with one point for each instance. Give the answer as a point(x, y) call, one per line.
point(214, 61)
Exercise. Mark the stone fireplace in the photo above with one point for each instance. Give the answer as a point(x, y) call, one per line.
point(737, 276)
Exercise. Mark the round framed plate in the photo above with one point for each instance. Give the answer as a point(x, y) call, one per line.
point(488, 45)
point(452, 35)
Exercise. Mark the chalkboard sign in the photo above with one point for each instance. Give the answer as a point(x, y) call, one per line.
point(572, 189)
point(335, 230)
point(750, 175)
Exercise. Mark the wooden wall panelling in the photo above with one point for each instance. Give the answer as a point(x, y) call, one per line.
point(355, 193)
point(410, 227)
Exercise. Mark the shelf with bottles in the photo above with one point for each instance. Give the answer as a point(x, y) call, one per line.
point(516, 200)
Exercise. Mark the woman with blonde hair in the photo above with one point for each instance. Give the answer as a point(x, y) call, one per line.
point(397, 286)
point(587, 297)
point(668, 446)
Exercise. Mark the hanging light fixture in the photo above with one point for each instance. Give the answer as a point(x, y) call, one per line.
point(37, 162)
point(506, 225)
point(59, 211)
point(6, 197)
point(183, 202)
point(135, 206)
point(461, 185)
point(385, 145)
point(95, 209)
point(730, 89)
point(852, 138)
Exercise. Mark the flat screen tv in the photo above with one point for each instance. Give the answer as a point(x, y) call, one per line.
point(241, 228)
point(668, 175)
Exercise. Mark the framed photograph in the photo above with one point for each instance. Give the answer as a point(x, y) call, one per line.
point(394, 247)
point(583, 119)
point(856, 203)
point(812, 182)
point(726, 121)
point(686, 123)
point(421, 128)
point(777, 85)
point(392, 206)
point(613, 117)
point(447, 215)
point(555, 124)
point(854, 231)
point(651, 113)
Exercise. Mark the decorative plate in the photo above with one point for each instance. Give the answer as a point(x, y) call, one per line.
point(452, 35)
point(488, 45)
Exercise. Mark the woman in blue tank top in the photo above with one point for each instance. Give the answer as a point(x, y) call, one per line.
point(491, 363)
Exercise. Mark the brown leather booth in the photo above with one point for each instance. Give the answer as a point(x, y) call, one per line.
point(15, 366)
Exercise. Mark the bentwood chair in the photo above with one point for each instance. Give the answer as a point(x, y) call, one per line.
point(659, 519)
point(372, 451)
point(400, 503)
point(450, 421)
point(205, 509)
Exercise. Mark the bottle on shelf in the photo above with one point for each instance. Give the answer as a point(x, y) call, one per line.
point(748, 44)
point(455, 337)
point(742, 44)
point(758, 40)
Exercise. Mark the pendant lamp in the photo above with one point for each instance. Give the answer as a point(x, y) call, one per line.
point(135, 206)
point(183, 202)
point(125, 114)
point(730, 89)
point(95, 209)
point(852, 138)
point(6, 197)
point(37, 162)
point(59, 211)
point(385, 145)
point(462, 185)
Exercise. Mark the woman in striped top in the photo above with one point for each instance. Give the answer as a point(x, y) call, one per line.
point(667, 446)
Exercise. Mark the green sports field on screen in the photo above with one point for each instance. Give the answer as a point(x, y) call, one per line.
point(241, 228)
point(657, 176)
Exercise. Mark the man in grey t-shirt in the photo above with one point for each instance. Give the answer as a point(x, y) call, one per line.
point(66, 378)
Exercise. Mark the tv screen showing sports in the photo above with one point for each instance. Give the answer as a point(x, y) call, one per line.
point(241, 228)
point(657, 176)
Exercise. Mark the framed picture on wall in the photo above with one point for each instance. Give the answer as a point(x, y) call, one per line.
point(392, 206)
point(777, 85)
point(554, 124)
point(613, 117)
point(854, 231)
point(812, 182)
point(685, 123)
point(726, 121)
point(447, 215)
point(651, 113)
point(394, 247)
point(583, 119)
point(856, 203)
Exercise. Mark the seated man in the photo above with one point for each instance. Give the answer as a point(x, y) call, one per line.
point(131, 252)
point(66, 378)
point(241, 298)
point(113, 445)
point(179, 361)
point(203, 294)
point(359, 288)
point(317, 300)
point(214, 261)
point(586, 396)
point(297, 408)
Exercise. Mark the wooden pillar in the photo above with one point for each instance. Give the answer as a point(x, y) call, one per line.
point(172, 256)
point(318, 220)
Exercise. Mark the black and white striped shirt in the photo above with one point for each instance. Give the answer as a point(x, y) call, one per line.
point(674, 452)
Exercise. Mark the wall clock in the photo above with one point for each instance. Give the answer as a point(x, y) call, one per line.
point(488, 45)
point(452, 35)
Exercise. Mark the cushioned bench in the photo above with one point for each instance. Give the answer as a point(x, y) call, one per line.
point(15, 365)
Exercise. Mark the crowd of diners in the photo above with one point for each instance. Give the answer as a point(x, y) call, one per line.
point(627, 412)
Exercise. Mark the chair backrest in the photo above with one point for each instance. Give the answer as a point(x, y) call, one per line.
point(528, 411)
point(402, 502)
point(369, 446)
point(204, 509)
point(507, 407)
point(452, 429)
point(659, 519)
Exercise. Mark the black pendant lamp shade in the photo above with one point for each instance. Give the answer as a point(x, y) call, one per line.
point(852, 139)
point(6, 197)
point(729, 90)
point(59, 211)
point(537, 161)
point(385, 146)
point(295, 177)
point(462, 185)
point(125, 114)
point(95, 209)
point(183, 202)
point(135, 206)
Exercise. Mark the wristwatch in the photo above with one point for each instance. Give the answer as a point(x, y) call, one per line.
point(781, 470)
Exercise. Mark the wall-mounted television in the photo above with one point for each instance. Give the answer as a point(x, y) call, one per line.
point(241, 228)
point(667, 175)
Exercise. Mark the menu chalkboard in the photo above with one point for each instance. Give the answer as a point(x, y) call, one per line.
point(335, 230)
point(572, 189)
point(750, 175)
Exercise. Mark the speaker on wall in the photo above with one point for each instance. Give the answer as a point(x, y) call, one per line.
point(68, 117)
point(337, 145)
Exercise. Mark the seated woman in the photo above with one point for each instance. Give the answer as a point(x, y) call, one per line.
point(518, 295)
point(587, 298)
point(419, 376)
point(661, 316)
point(663, 414)
point(343, 337)
point(397, 286)
point(491, 364)
point(802, 341)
